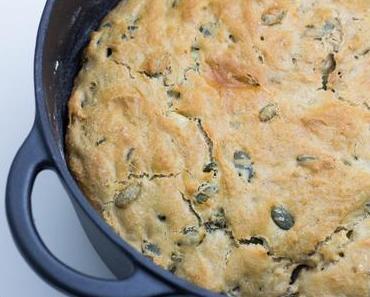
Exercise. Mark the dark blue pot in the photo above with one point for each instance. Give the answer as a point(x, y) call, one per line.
point(63, 33)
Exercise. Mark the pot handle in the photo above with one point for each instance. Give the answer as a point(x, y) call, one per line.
point(29, 161)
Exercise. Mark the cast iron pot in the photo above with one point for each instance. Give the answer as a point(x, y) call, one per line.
point(63, 33)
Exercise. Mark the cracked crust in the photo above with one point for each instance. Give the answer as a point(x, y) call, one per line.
point(229, 141)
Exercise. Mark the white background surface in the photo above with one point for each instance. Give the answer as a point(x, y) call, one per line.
point(53, 213)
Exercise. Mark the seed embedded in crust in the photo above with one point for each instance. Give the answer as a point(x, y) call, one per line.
point(216, 222)
point(176, 258)
point(268, 112)
point(206, 191)
point(129, 194)
point(201, 198)
point(210, 167)
point(282, 218)
point(331, 34)
point(190, 229)
point(207, 29)
point(253, 240)
point(244, 165)
point(273, 17)
point(328, 67)
point(192, 236)
point(305, 159)
point(150, 249)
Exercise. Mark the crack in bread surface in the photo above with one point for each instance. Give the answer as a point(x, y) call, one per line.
point(191, 122)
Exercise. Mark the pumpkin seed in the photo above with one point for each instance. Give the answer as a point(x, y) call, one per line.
point(247, 79)
point(216, 222)
point(175, 259)
point(328, 67)
point(93, 86)
point(129, 194)
point(305, 159)
point(205, 31)
point(201, 198)
point(328, 27)
point(192, 236)
point(150, 249)
point(212, 226)
point(206, 191)
point(210, 167)
point(282, 218)
point(347, 162)
point(331, 34)
point(244, 165)
point(253, 240)
point(190, 229)
point(273, 17)
point(268, 112)
point(107, 25)
point(130, 154)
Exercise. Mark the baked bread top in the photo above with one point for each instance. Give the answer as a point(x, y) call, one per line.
point(229, 141)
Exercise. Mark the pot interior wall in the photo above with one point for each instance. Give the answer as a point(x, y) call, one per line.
point(68, 32)
point(71, 22)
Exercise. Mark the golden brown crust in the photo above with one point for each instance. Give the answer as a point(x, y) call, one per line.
point(229, 141)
